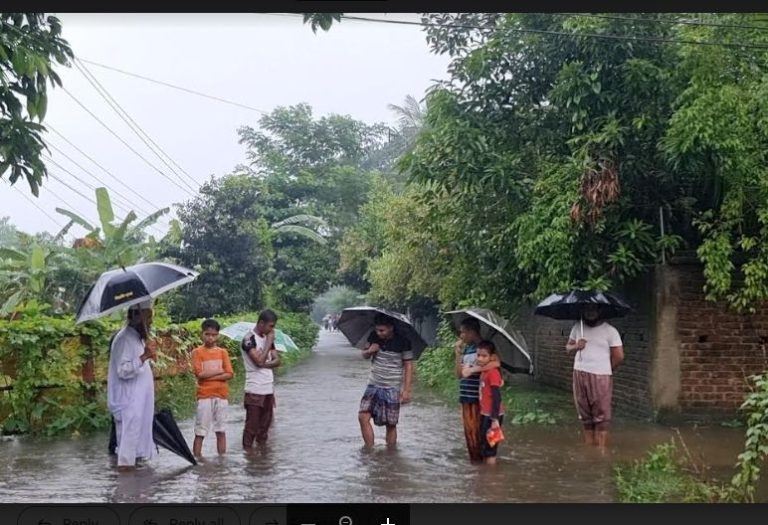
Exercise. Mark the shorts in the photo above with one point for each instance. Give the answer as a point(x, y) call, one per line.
point(211, 412)
point(383, 403)
point(487, 451)
point(593, 395)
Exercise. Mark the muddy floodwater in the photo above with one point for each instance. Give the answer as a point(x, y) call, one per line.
point(315, 454)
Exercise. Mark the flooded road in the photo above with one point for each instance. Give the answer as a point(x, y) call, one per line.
point(315, 454)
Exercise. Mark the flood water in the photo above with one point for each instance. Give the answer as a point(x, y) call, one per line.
point(315, 454)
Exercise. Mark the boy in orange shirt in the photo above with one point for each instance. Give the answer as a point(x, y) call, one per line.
point(213, 369)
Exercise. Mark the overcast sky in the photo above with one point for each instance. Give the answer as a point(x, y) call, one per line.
point(258, 60)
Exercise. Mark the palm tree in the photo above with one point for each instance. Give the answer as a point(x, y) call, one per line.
point(410, 118)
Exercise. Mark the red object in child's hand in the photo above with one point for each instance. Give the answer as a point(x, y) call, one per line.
point(494, 435)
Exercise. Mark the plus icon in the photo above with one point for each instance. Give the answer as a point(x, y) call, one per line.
point(388, 522)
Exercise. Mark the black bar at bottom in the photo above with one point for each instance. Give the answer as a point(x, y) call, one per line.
point(204, 514)
point(372, 514)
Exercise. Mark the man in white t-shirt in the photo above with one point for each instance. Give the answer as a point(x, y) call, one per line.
point(598, 352)
point(259, 359)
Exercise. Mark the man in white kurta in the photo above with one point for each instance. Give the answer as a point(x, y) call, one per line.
point(131, 388)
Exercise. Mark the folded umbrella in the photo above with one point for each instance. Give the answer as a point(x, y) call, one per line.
point(124, 287)
point(166, 433)
point(357, 323)
point(510, 343)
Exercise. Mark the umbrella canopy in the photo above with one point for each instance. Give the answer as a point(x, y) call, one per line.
point(166, 434)
point(283, 341)
point(571, 305)
point(119, 289)
point(357, 323)
point(510, 343)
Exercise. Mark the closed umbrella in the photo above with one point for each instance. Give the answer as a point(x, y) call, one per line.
point(510, 343)
point(357, 323)
point(166, 434)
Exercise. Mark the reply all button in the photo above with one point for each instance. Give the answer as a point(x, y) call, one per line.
point(192, 515)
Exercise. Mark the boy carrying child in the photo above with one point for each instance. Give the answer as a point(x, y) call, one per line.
point(491, 407)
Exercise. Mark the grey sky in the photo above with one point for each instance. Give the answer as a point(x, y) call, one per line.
point(258, 60)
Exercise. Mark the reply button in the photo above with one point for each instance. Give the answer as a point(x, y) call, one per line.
point(44, 515)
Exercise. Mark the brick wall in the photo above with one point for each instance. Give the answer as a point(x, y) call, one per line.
point(553, 366)
point(719, 349)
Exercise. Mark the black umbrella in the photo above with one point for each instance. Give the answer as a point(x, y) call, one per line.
point(124, 287)
point(166, 434)
point(357, 324)
point(571, 305)
point(510, 343)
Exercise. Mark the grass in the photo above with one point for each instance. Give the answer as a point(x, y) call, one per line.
point(663, 477)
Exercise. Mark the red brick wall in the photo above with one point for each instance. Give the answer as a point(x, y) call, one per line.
point(719, 349)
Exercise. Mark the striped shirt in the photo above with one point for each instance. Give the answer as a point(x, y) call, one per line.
point(469, 387)
point(387, 363)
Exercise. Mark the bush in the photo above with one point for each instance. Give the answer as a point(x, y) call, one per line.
point(38, 351)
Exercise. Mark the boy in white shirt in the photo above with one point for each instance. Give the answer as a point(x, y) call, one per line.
point(259, 359)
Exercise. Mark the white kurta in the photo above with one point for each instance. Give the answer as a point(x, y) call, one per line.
point(131, 398)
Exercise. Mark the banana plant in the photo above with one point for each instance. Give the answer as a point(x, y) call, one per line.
point(308, 226)
point(112, 243)
point(24, 275)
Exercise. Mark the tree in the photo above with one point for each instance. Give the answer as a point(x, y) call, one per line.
point(226, 238)
point(321, 20)
point(524, 145)
point(310, 166)
point(30, 44)
point(8, 233)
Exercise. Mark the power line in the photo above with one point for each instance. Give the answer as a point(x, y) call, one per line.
point(84, 67)
point(126, 144)
point(54, 177)
point(105, 170)
point(562, 33)
point(125, 206)
point(173, 86)
point(36, 205)
point(77, 192)
point(70, 159)
point(135, 127)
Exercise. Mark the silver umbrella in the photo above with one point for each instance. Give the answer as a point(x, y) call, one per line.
point(510, 343)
